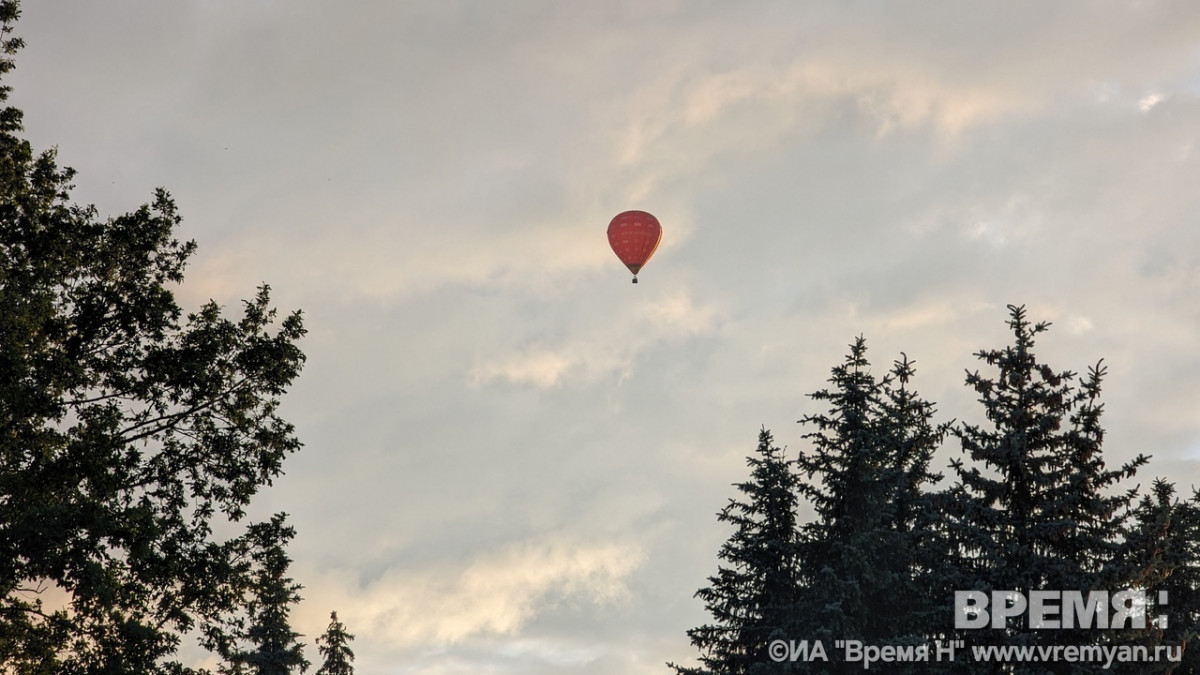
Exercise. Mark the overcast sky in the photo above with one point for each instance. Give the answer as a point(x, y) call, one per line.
point(513, 456)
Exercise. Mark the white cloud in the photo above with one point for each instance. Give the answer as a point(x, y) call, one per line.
point(932, 313)
point(609, 351)
point(495, 594)
point(1147, 102)
point(547, 367)
point(676, 314)
point(700, 116)
point(1078, 325)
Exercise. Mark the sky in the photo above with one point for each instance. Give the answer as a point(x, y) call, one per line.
point(513, 456)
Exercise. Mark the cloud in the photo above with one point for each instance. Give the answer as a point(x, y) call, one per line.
point(380, 262)
point(547, 367)
point(610, 350)
point(495, 594)
point(1147, 103)
point(675, 314)
point(485, 390)
point(931, 313)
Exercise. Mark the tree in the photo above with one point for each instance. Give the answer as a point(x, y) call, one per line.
point(334, 647)
point(272, 647)
point(865, 559)
point(861, 568)
point(753, 593)
point(1036, 508)
point(127, 431)
point(1161, 553)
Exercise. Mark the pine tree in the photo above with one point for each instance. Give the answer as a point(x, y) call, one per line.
point(1036, 508)
point(273, 646)
point(753, 593)
point(334, 647)
point(865, 559)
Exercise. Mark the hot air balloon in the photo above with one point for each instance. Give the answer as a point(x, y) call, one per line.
point(633, 236)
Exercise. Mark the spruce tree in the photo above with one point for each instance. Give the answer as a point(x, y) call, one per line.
point(753, 593)
point(1036, 507)
point(335, 649)
point(272, 647)
point(911, 437)
point(1161, 553)
point(865, 559)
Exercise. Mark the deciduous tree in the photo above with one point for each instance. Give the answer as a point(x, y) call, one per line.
point(129, 430)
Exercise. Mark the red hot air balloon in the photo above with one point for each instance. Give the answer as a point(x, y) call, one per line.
point(633, 236)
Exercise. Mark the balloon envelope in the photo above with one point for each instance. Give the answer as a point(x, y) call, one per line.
point(634, 235)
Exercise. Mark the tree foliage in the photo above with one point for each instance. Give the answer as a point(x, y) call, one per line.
point(129, 431)
point(1161, 552)
point(865, 478)
point(752, 596)
point(268, 645)
point(334, 646)
point(1032, 506)
point(1036, 508)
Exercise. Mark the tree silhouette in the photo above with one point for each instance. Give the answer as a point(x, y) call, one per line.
point(753, 593)
point(865, 557)
point(272, 647)
point(128, 431)
point(335, 649)
point(1036, 508)
point(1161, 553)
